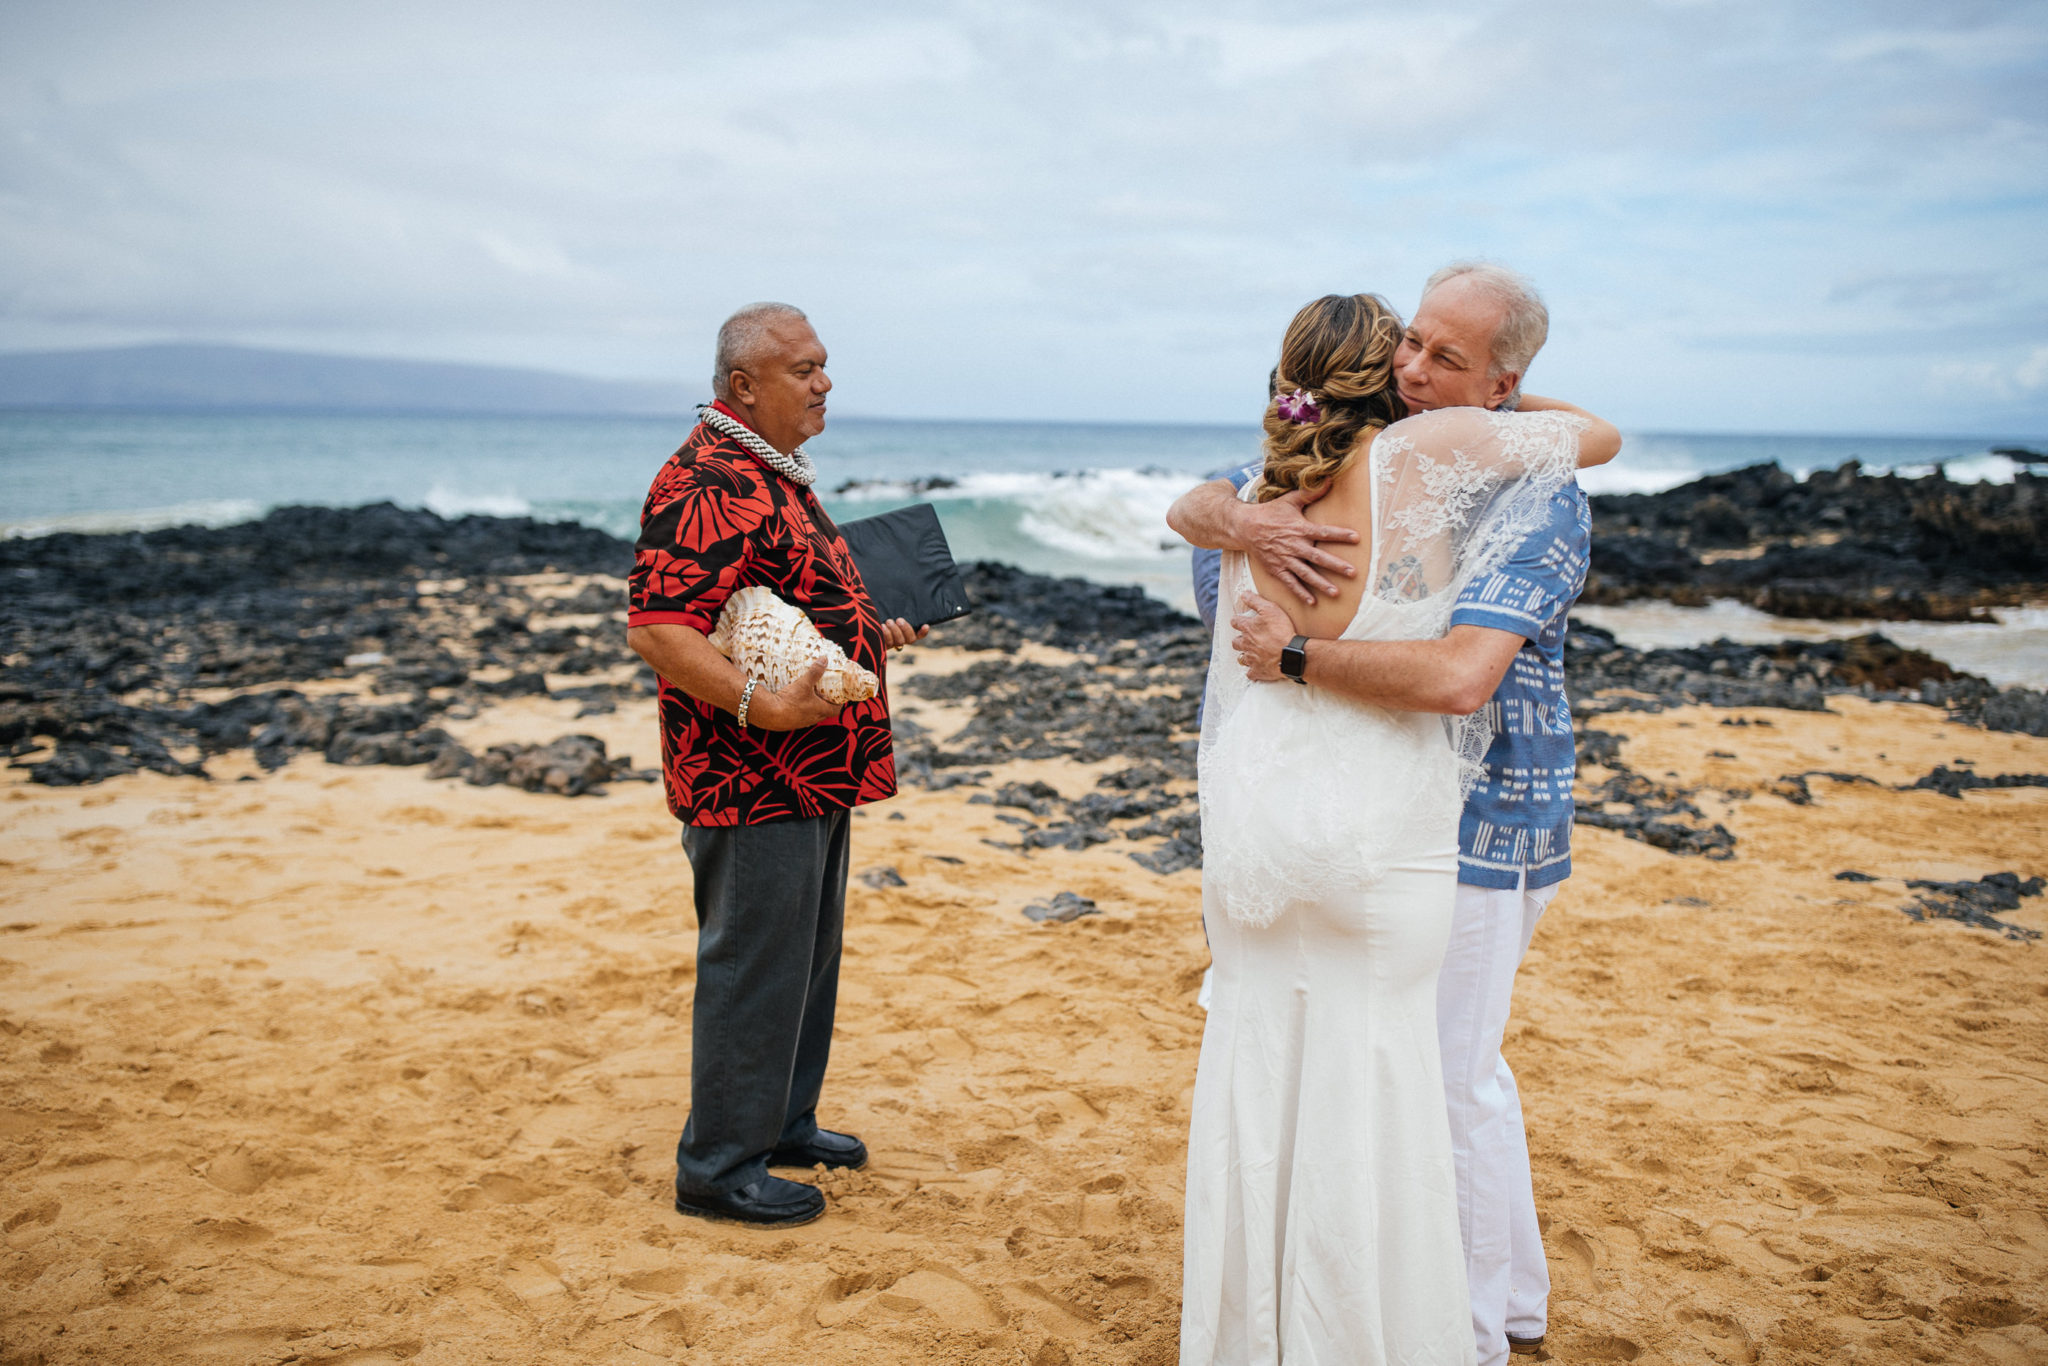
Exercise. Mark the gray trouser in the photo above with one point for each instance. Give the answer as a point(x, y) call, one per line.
point(771, 903)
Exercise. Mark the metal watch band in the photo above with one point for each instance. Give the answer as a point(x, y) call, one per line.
point(746, 696)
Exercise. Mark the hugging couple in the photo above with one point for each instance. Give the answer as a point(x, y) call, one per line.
point(1385, 772)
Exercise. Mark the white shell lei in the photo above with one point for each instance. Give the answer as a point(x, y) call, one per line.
point(796, 467)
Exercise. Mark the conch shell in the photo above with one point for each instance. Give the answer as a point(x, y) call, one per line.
point(774, 642)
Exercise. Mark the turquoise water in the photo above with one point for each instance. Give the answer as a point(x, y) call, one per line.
point(1063, 498)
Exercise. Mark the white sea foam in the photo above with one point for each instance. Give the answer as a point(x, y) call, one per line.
point(1622, 476)
point(217, 512)
point(1103, 514)
point(1619, 476)
point(1982, 468)
point(451, 502)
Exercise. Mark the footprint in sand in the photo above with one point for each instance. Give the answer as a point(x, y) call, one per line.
point(1723, 1337)
point(43, 1211)
point(1583, 1254)
point(995, 1151)
point(494, 1188)
point(937, 1291)
point(1049, 1311)
point(508, 1190)
point(534, 1281)
point(900, 1164)
point(226, 1233)
point(664, 1333)
point(240, 1172)
point(390, 1354)
point(950, 1044)
point(1055, 1112)
point(664, 1280)
point(1102, 1214)
point(942, 1294)
point(1743, 1246)
point(1602, 1347)
point(837, 1300)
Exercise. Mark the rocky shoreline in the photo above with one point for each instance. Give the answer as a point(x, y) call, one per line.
point(1838, 544)
point(355, 634)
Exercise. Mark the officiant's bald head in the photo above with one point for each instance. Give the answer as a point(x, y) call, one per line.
point(769, 369)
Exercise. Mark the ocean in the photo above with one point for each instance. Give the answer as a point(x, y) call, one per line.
point(1060, 498)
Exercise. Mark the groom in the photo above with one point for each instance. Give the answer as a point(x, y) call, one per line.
point(1474, 334)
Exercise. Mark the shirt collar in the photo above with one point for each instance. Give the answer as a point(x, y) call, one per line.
point(738, 417)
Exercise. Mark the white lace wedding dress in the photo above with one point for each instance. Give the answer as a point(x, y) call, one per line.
point(1321, 1222)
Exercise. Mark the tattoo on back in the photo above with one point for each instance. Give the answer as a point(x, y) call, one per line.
point(1402, 580)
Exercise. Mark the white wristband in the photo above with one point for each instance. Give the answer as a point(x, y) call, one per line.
point(746, 696)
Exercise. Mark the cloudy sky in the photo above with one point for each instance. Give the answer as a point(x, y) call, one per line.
point(1746, 215)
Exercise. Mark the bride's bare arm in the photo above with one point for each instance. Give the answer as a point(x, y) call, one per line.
point(1600, 443)
point(1454, 675)
point(1286, 543)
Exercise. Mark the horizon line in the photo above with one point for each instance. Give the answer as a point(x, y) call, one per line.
point(657, 415)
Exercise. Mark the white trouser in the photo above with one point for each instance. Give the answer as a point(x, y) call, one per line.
point(1504, 1265)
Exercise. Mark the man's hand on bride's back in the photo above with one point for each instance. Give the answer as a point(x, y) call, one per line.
point(1288, 545)
point(1263, 630)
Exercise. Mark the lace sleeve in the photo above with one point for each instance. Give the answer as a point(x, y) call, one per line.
point(1451, 488)
point(1455, 493)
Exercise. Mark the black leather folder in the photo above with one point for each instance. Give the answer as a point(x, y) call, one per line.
point(907, 565)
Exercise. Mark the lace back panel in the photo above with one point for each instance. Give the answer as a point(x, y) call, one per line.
point(1304, 792)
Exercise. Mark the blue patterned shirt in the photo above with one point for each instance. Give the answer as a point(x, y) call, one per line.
point(1207, 564)
point(1519, 818)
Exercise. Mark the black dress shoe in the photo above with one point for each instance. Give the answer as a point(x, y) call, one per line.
point(834, 1150)
point(770, 1202)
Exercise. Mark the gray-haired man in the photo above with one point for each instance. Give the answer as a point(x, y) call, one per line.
point(763, 779)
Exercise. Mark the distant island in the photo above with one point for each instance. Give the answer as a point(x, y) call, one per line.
point(205, 377)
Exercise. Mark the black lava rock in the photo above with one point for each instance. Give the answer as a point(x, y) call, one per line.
point(1063, 907)
point(1839, 543)
point(1976, 903)
point(570, 766)
point(1952, 782)
point(105, 636)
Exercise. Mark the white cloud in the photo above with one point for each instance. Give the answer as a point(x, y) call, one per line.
point(2033, 371)
point(2004, 380)
point(1046, 208)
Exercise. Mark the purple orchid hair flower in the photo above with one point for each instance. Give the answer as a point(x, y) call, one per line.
point(1300, 406)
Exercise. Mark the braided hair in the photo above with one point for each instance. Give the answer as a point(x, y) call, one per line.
point(1341, 349)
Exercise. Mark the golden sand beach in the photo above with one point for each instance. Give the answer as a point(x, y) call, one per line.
point(347, 1065)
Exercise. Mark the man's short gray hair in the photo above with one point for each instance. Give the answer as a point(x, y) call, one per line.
point(740, 339)
point(1524, 321)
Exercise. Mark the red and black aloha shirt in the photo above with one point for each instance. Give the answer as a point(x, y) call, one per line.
point(716, 520)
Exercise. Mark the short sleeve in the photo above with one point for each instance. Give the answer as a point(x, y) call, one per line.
point(696, 536)
point(1526, 592)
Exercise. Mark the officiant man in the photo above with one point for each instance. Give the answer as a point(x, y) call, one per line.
point(764, 781)
point(1473, 336)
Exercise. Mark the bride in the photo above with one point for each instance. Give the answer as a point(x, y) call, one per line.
point(1321, 1220)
